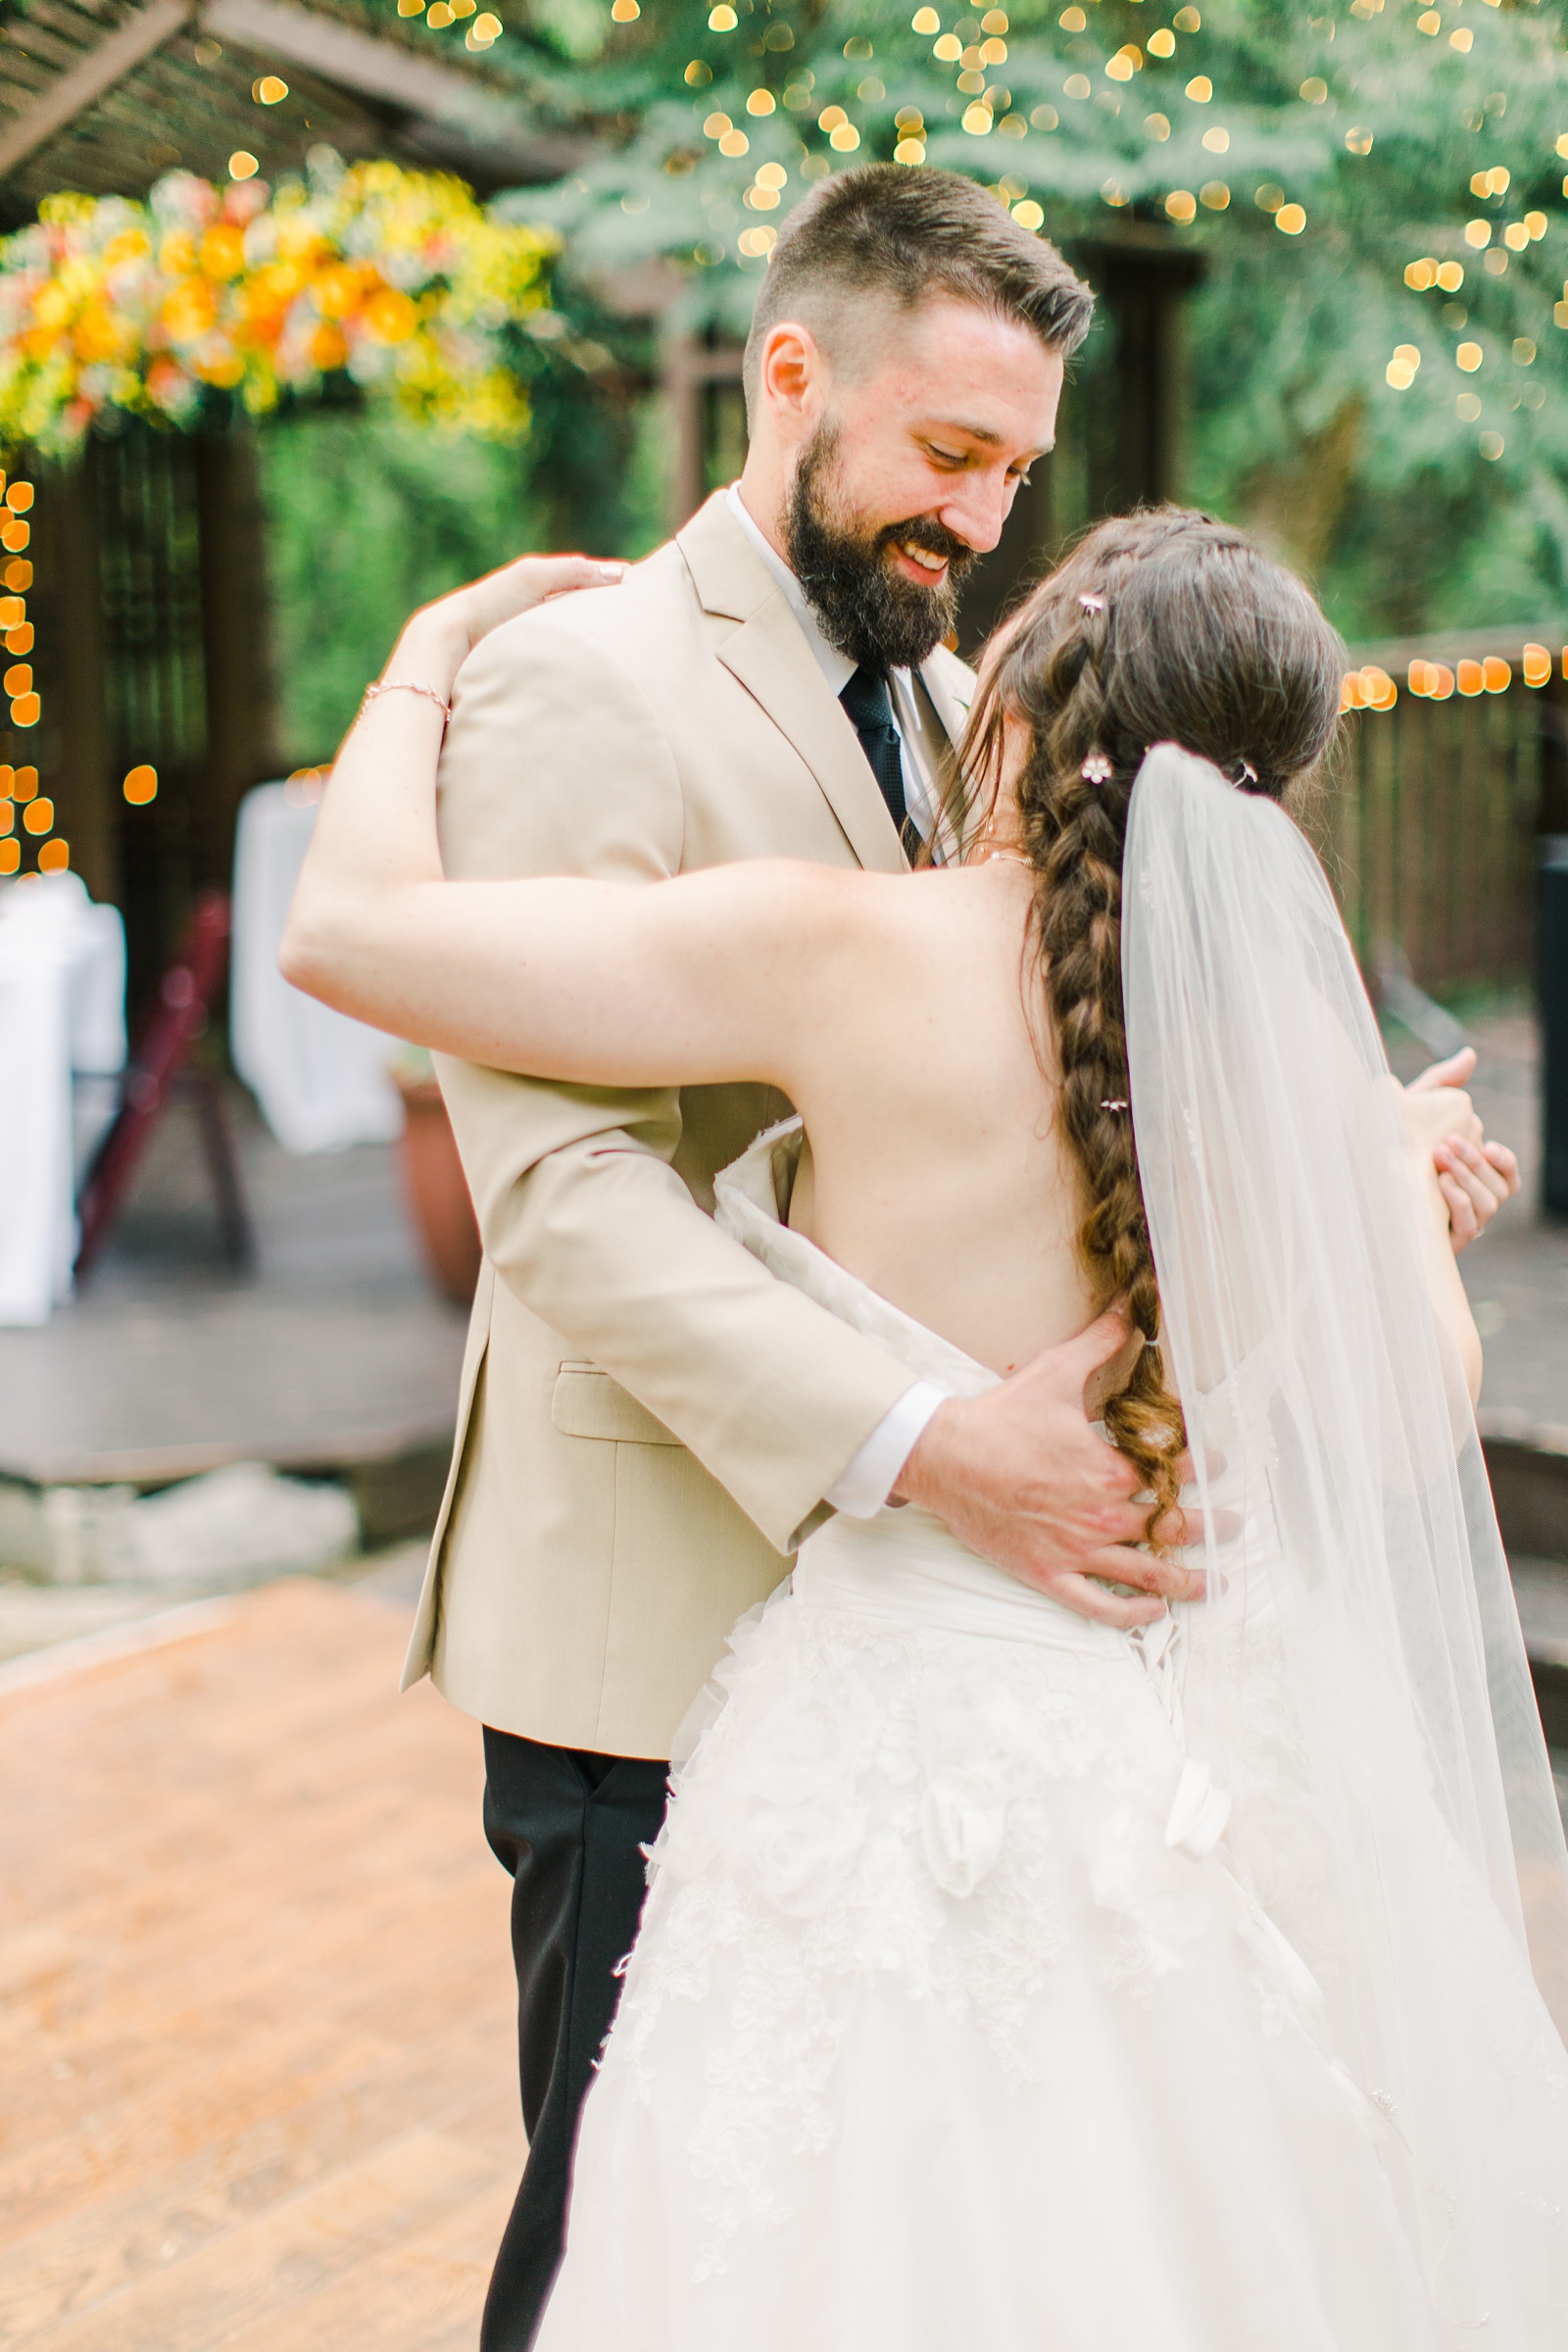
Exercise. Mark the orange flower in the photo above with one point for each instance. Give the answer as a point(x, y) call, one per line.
point(337, 289)
point(224, 251)
point(189, 311)
point(99, 335)
point(328, 350)
point(390, 316)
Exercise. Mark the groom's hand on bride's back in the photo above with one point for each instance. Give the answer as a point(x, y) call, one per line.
point(1021, 1477)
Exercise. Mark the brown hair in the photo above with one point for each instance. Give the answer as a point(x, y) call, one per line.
point(1163, 626)
point(905, 235)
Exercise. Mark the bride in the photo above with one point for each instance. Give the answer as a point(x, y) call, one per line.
point(1007, 1979)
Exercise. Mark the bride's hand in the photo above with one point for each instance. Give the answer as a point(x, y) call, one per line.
point(1475, 1175)
point(440, 637)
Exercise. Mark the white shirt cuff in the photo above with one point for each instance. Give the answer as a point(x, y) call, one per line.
point(860, 1491)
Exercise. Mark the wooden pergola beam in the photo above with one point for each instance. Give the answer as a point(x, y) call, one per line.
point(439, 95)
point(120, 54)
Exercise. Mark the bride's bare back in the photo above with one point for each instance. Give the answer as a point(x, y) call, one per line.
point(937, 1171)
point(895, 1012)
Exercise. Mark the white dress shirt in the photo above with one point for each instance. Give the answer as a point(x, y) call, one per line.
point(862, 1489)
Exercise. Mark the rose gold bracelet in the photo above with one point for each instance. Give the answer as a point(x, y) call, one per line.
point(404, 686)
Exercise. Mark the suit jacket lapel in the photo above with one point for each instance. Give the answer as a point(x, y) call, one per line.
point(773, 662)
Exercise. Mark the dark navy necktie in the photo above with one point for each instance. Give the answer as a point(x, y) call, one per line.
point(868, 707)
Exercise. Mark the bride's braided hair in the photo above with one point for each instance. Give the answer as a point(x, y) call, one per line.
point(1162, 626)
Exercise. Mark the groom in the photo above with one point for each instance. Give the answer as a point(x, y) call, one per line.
point(649, 1422)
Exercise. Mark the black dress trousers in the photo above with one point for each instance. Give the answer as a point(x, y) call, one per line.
point(570, 1827)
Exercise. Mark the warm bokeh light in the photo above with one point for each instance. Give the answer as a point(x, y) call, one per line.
point(141, 786)
point(1469, 677)
point(1291, 218)
point(10, 857)
point(1497, 675)
point(1181, 204)
point(24, 783)
point(20, 496)
point(242, 164)
point(18, 574)
point(1537, 665)
point(26, 710)
point(270, 90)
point(39, 816)
point(55, 857)
point(20, 640)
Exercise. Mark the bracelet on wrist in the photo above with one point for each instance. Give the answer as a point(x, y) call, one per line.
point(403, 686)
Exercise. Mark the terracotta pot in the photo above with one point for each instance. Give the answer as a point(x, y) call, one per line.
point(437, 1191)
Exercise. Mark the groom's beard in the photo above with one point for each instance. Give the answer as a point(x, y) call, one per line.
point(876, 617)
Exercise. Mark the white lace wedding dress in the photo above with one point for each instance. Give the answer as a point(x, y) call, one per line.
point(951, 2022)
point(1010, 1984)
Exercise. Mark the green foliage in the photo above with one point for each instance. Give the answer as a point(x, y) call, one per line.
point(1443, 502)
point(368, 518)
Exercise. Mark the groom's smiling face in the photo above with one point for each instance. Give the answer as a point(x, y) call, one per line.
point(912, 433)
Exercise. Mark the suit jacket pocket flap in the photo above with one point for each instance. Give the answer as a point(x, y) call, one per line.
point(588, 1403)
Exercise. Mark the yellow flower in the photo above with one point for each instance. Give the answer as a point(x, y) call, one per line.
point(52, 306)
point(128, 245)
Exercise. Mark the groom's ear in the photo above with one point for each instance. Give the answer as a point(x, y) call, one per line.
point(794, 378)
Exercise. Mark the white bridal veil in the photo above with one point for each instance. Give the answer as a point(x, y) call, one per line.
point(1357, 1672)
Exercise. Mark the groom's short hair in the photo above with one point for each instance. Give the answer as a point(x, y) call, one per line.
point(886, 232)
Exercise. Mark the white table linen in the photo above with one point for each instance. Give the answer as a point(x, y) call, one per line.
point(61, 1016)
point(321, 1080)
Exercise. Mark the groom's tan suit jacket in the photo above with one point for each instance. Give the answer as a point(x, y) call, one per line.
point(648, 1420)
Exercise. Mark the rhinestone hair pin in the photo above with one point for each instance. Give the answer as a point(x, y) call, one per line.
point(1092, 602)
point(1113, 1106)
point(1097, 768)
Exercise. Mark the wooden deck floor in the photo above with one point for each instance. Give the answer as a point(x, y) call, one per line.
point(256, 2086)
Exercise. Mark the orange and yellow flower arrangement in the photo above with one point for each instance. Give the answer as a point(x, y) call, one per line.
point(395, 281)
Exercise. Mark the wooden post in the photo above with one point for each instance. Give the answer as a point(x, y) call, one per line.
point(1142, 280)
point(241, 730)
point(693, 373)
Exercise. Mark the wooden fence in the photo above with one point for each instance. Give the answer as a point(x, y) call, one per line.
point(1431, 827)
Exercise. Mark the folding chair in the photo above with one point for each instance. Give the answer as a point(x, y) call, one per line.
point(157, 1075)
